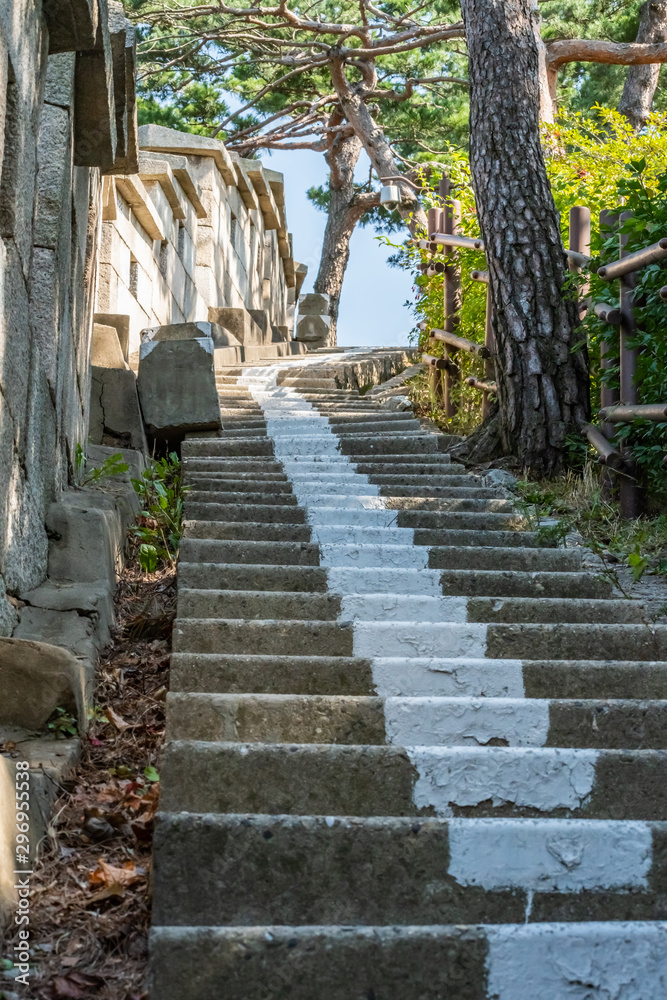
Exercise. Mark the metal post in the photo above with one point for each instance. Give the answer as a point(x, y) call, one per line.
point(452, 288)
point(434, 221)
point(630, 491)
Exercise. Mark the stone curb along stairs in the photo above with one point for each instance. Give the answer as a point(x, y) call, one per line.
point(411, 753)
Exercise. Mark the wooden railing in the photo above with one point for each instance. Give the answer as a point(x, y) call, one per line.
point(618, 405)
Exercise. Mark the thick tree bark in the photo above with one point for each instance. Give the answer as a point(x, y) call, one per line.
point(374, 141)
point(641, 81)
point(345, 209)
point(543, 390)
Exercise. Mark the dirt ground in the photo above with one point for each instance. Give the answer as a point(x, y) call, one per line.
point(90, 908)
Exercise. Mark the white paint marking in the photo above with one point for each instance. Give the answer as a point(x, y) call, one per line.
point(421, 639)
point(520, 722)
point(543, 779)
point(399, 607)
point(374, 580)
point(577, 961)
point(398, 556)
point(414, 677)
point(550, 855)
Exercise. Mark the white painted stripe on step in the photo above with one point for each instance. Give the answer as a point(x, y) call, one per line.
point(421, 639)
point(378, 517)
point(317, 475)
point(582, 961)
point(376, 579)
point(550, 855)
point(416, 676)
point(346, 534)
point(401, 606)
point(345, 502)
point(544, 779)
point(333, 494)
point(520, 722)
point(399, 556)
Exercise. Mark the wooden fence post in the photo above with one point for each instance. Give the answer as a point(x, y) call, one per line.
point(630, 491)
point(451, 217)
point(608, 394)
point(580, 241)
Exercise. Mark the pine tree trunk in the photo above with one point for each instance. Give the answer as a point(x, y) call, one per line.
point(543, 389)
point(341, 159)
point(641, 81)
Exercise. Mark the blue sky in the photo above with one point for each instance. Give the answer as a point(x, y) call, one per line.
point(371, 309)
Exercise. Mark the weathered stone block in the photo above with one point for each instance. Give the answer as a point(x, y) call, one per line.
point(72, 24)
point(105, 351)
point(115, 414)
point(59, 87)
point(239, 322)
point(313, 329)
point(177, 388)
point(314, 304)
point(121, 321)
point(35, 679)
point(86, 538)
point(95, 109)
point(188, 331)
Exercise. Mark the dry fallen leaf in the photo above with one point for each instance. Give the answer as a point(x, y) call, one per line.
point(113, 716)
point(114, 880)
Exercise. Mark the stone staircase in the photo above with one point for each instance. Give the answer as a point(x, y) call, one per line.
point(412, 754)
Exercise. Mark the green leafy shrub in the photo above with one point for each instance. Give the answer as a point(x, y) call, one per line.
point(596, 160)
point(114, 465)
point(157, 533)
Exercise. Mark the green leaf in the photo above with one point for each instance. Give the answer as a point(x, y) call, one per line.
point(151, 774)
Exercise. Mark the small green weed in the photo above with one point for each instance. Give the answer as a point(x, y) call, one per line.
point(62, 724)
point(114, 465)
point(158, 528)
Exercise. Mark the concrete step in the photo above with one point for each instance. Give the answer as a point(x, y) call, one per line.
point(203, 576)
point(211, 494)
point(233, 551)
point(480, 962)
point(502, 583)
point(241, 511)
point(404, 721)
point(250, 530)
point(495, 640)
point(416, 677)
point(350, 598)
point(404, 870)
point(341, 780)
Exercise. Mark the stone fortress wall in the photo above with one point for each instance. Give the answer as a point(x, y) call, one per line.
point(198, 234)
point(67, 116)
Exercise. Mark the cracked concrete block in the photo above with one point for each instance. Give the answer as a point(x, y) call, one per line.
point(105, 351)
point(115, 415)
point(93, 601)
point(220, 336)
point(177, 387)
point(35, 679)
